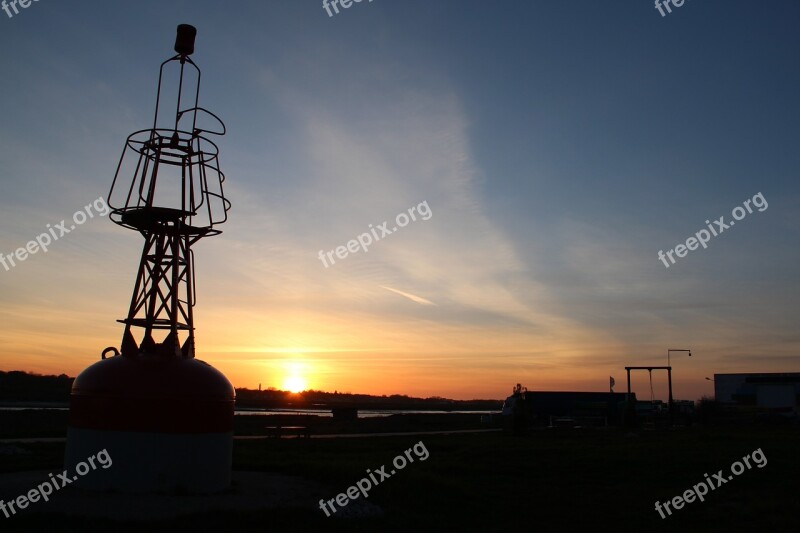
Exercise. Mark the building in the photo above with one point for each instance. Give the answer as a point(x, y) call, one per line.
point(777, 392)
point(596, 408)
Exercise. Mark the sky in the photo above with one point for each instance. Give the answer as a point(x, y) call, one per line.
point(554, 148)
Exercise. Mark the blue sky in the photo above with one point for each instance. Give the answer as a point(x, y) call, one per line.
point(559, 145)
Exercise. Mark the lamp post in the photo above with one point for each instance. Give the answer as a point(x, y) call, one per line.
point(671, 410)
point(673, 350)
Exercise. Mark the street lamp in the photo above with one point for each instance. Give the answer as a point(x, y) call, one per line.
point(673, 350)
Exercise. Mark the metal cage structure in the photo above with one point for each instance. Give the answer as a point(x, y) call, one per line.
point(165, 416)
point(174, 198)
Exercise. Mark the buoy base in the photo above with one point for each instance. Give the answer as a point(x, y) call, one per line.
point(149, 462)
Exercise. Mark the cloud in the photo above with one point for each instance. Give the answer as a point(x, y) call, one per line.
point(411, 297)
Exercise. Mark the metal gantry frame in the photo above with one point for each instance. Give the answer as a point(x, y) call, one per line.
point(650, 369)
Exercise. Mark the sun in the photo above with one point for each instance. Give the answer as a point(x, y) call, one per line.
point(294, 384)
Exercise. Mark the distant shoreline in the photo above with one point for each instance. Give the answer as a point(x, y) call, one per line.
point(23, 389)
point(259, 411)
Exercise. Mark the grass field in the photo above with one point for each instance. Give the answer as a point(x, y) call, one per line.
point(551, 480)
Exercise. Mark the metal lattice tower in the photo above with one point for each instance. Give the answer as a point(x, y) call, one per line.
point(164, 416)
point(174, 198)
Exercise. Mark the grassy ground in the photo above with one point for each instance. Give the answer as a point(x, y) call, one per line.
point(577, 480)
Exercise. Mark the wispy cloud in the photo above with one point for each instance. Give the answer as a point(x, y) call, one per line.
point(412, 297)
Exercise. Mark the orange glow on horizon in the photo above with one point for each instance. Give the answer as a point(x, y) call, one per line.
point(294, 384)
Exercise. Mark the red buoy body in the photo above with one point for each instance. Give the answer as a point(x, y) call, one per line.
point(166, 423)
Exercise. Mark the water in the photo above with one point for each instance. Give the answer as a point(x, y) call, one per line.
point(362, 413)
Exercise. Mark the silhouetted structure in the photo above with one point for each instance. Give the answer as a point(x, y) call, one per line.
point(771, 393)
point(516, 412)
point(164, 417)
point(584, 408)
point(671, 409)
point(545, 408)
point(344, 414)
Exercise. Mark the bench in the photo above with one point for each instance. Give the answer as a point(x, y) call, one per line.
point(562, 422)
point(278, 431)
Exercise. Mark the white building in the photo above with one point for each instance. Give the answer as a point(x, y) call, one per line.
point(777, 391)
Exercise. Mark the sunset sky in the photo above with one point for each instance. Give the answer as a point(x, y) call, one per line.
point(559, 146)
